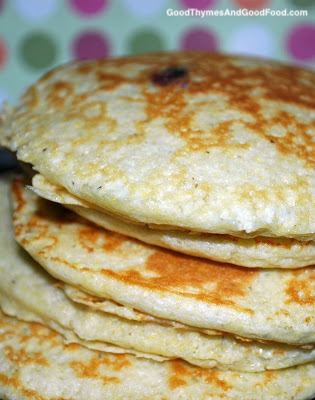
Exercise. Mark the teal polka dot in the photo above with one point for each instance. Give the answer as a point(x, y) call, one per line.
point(38, 50)
point(145, 41)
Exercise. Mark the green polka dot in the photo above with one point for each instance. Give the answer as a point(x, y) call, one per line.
point(38, 50)
point(145, 41)
point(300, 4)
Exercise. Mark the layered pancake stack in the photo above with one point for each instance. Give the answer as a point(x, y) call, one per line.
point(178, 262)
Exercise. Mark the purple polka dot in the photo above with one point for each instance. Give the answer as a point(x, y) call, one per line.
point(90, 45)
point(90, 7)
point(300, 42)
point(199, 39)
point(199, 4)
point(1, 5)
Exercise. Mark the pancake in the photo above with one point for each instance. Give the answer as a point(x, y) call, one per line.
point(106, 333)
point(275, 305)
point(255, 252)
point(17, 309)
point(115, 331)
point(196, 141)
point(35, 363)
point(112, 307)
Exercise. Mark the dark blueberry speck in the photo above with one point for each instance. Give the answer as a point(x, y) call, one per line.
point(271, 141)
point(169, 75)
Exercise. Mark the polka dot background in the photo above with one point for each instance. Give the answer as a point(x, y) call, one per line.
point(252, 4)
point(199, 4)
point(36, 35)
point(199, 39)
point(90, 44)
point(88, 8)
point(3, 53)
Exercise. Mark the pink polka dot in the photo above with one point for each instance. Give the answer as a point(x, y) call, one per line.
point(90, 7)
point(300, 42)
point(90, 45)
point(1, 5)
point(3, 53)
point(199, 39)
point(199, 4)
point(251, 4)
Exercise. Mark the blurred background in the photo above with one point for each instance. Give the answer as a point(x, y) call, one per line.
point(36, 35)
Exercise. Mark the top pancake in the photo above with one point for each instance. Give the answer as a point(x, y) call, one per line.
point(196, 141)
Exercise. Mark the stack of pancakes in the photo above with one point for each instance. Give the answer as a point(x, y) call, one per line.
point(178, 264)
